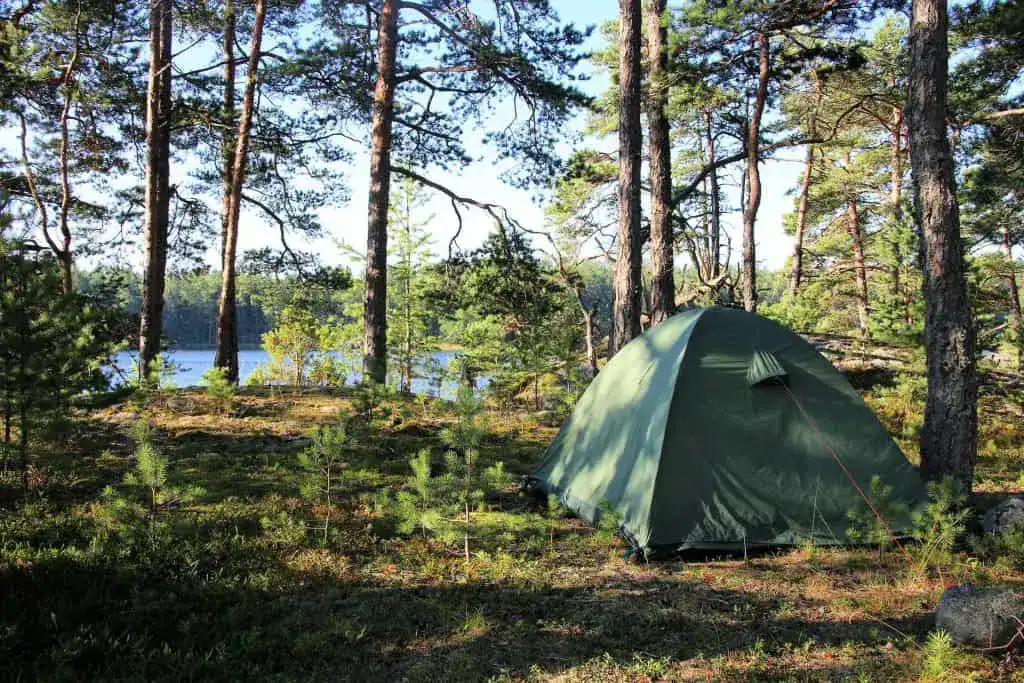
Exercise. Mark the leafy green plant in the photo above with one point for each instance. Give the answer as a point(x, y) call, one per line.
point(283, 530)
point(219, 390)
point(1006, 548)
point(650, 667)
point(938, 525)
point(319, 463)
point(120, 515)
point(300, 347)
point(870, 528)
point(609, 521)
point(426, 504)
point(497, 480)
point(463, 442)
point(939, 657)
point(901, 406)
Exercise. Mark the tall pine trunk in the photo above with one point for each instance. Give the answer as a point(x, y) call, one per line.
point(64, 257)
point(157, 189)
point(949, 438)
point(227, 312)
point(796, 274)
point(588, 337)
point(1013, 294)
point(753, 145)
point(227, 151)
point(797, 269)
point(407, 294)
point(859, 269)
point(715, 195)
point(895, 197)
point(375, 335)
point(663, 289)
point(627, 285)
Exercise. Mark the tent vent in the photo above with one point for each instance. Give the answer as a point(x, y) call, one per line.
point(764, 367)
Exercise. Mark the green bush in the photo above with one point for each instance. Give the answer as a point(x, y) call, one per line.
point(321, 472)
point(427, 504)
point(901, 406)
point(939, 525)
point(283, 530)
point(138, 511)
point(1006, 548)
point(219, 390)
point(867, 527)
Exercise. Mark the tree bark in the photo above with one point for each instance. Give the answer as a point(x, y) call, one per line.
point(375, 335)
point(227, 152)
point(157, 189)
point(797, 273)
point(895, 197)
point(1013, 292)
point(227, 312)
point(64, 255)
point(797, 269)
point(716, 209)
point(949, 437)
point(754, 177)
point(627, 285)
point(663, 289)
point(588, 338)
point(860, 271)
point(407, 293)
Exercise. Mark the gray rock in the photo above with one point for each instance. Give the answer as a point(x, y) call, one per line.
point(1002, 517)
point(980, 617)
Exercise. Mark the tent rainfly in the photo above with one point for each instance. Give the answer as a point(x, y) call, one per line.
point(720, 429)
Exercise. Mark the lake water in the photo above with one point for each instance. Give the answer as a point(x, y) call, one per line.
point(189, 366)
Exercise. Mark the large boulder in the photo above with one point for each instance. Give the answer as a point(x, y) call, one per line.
point(980, 617)
point(1004, 516)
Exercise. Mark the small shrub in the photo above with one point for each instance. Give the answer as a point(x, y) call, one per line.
point(939, 657)
point(1006, 548)
point(219, 390)
point(653, 668)
point(120, 516)
point(283, 530)
point(463, 441)
point(609, 521)
point(938, 526)
point(318, 463)
point(427, 503)
point(496, 480)
point(901, 406)
point(865, 526)
point(150, 474)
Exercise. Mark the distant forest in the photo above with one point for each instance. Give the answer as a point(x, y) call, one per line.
point(190, 309)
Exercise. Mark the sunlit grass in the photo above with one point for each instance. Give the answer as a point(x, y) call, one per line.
point(238, 588)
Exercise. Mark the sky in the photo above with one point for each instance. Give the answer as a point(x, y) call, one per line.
point(481, 181)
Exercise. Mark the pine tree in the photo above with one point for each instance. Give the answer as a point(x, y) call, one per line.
point(949, 437)
point(479, 60)
point(412, 343)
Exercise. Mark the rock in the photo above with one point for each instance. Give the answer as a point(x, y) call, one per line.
point(1002, 517)
point(980, 617)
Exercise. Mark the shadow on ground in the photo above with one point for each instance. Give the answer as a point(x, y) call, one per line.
point(176, 621)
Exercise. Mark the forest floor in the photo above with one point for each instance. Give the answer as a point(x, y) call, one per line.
point(231, 590)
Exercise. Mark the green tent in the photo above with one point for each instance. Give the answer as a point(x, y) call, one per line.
point(720, 429)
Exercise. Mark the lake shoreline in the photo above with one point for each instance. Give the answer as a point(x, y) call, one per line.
point(189, 365)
